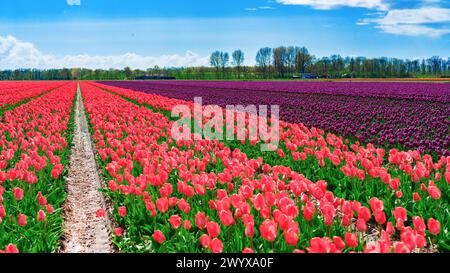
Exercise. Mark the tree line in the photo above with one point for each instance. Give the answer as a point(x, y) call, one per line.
point(270, 63)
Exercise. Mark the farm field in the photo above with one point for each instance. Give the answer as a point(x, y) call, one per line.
point(360, 167)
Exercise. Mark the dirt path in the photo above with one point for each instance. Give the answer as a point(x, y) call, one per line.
point(83, 231)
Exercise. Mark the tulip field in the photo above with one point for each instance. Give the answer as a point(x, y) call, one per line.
point(360, 167)
point(34, 145)
point(395, 115)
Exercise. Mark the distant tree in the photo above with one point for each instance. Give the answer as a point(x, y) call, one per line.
point(75, 73)
point(291, 52)
point(97, 74)
point(128, 73)
point(423, 68)
point(65, 74)
point(448, 65)
point(337, 65)
point(435, 64)
point(263, 60)
point(224, 59)
point(302, 59)
point(238, 60)
point(279, 60)
point(214, 60)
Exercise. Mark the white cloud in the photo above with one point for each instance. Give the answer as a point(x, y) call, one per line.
point(414, 30)
point(260, 8)
point(414, 16)
point(412, 22)
point(18, 54)
point(73, 2)
point(330, 4)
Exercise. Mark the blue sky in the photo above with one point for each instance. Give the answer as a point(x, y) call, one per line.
point(113, 33)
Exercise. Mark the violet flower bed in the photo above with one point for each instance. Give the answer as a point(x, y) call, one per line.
point(400, 90)
point(403, 115)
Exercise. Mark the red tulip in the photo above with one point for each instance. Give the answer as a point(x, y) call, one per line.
point(321, 245)
point(401, 247)
point(2, 211)
point(400, 213)
point(421, 241)
point(175, 221)
point(158, 236)
point(390, 228)
point(372, 247)
point(172, 201)
point(166, 190)
point(221, 194)
point(162, 204)
point(268, 230)
point(423, 187)
point(346, 220)
point(356, 205)
point(416, 197)
point(400, 224)
point(216, 245)
point(41, 216)
point(409, 239)
point(187, 224)
point(213, 229)
point(434, 226)
point(22, 220)
point(291, 236)
point(49, 209)
point(419, 225)
point(112, 185)
point(184, 206)
point(57, 170)
point(205, 240)
point(328, 211)
point(361, 225)
point(434, 192)
point(364, 213)
point(447, 176)
point(437, 176)
point(338, 242)
point(376, 204)
point(394, 184)
point(226, 218)
point(18, 194)
point(200, 220)
point(351, 240)
point(248, 250)
point(380, 217)
point(122, 211)
point(118, 231)
point(249, 230)
point(308, 212)
point(100, 213)
point(42, 201)
point(11, 248)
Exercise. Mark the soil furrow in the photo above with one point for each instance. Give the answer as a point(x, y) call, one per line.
point(83, 231)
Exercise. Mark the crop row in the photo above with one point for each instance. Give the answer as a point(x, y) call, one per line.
point(13, 93)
